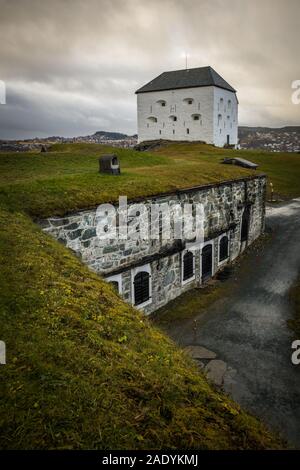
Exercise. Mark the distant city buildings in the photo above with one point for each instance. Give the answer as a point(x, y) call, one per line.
point(286, 139)
point(114, 139)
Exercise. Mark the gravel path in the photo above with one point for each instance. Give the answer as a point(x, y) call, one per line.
point(247, 334)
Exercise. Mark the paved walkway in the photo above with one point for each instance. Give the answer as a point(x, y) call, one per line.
point(247, 334)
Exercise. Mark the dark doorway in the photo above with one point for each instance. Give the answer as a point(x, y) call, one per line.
point(228, 139)
point(223, 248)
point(188, 265)
point(141, 287)
point(245, 225)
point(206, 262)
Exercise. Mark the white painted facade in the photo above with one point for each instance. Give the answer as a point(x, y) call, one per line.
point(206, 113)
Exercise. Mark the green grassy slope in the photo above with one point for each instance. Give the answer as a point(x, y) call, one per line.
point(84, 369)
point(67, 179)
point(282, 169)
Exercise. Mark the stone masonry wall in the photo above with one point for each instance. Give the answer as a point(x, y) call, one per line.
point(119, 260)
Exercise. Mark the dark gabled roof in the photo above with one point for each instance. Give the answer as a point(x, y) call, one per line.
point(187, 78)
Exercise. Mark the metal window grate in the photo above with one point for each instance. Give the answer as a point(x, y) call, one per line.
point(223, 254)
point(188, 265)
point(114, 284)
point(141, 287)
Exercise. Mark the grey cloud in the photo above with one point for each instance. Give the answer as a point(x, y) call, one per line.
point(72, 66)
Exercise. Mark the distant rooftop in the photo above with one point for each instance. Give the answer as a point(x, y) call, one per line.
point(187, 78)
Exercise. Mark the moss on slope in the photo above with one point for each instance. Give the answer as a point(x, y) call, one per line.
point(86, 370)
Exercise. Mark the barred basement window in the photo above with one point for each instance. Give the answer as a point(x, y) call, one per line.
point(188, 265)
point(115, 285)
point(116, 282)
point(223, 248)
point(141, 287)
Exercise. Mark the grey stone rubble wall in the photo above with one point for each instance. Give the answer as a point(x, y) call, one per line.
point(223, 207)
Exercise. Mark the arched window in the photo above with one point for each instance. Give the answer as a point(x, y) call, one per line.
point(196, 117)
point(188, 100)
point(173, 118)
point(223, 248)
point(116, 282)
point(141, 287)
point(245, 224)
point(188, 265)
point(229, 104)
point(161, 103)
point(115, 285)
point(219, 119)
point(152, 119)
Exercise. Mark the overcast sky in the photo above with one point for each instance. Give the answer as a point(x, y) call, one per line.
point(71, 67)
